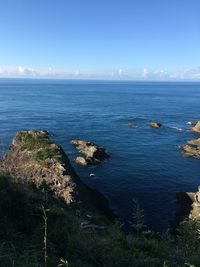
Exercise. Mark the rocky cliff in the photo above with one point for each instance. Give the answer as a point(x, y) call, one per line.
point(34, 157)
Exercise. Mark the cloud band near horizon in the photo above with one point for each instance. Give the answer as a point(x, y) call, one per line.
point(190, 74)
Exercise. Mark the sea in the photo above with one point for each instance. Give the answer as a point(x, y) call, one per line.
point(146, 164)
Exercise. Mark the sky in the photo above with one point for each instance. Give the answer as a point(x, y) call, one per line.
point(100, 39)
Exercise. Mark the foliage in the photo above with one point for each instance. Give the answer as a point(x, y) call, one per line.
point(39, 146)
point(22, 231)
point(138, 217)
point(46, 153)
point(33, 140)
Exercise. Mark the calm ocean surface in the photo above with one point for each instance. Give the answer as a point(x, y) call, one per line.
point(145, 163)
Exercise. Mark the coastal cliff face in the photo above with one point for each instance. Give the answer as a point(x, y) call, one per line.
point(33, 157)
point(190, 201)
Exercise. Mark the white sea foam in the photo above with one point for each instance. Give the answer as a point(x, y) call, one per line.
point(189, 122)
point(178, 129)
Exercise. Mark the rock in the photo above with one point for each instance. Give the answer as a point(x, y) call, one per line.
point(131, 125)
point(192, 149)
point(155, 124)
point(34, 158)
point(93, 154)
point(81, 161)
point(196, 128)
point(193, 123)
point(190, 204)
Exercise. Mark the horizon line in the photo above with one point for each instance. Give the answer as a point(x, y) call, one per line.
point(95, 79)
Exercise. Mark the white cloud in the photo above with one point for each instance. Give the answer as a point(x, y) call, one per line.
point(184, 74)
point(145, 73)
point(21, 70)
point(120, 72)
point(192, 74)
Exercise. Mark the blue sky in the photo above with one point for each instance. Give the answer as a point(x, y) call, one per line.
point(125, 39)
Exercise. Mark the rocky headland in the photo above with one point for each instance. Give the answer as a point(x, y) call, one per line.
point(92, 153)
point(34, 158)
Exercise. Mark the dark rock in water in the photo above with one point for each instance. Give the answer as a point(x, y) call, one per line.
point(93, 154)
point(193, 123)
point(131, 125)
point(196, 128)
point(155, 124)
point(34, 158)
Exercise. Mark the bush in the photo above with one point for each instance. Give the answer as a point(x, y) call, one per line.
point(22, 232)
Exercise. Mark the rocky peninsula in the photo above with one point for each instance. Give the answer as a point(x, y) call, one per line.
point(34, 158)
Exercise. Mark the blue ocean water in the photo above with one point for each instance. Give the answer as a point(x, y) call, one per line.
point(145, 163)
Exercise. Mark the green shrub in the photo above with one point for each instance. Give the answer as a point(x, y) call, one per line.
point(22, 234)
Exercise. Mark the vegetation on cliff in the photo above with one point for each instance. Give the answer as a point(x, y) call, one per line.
point(42, 225)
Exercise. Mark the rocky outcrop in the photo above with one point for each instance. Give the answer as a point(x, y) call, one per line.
point(192, 149)
point(93, 154)
point(196, 127)
point(155, 124)
point(189, 204)
point(34, 158)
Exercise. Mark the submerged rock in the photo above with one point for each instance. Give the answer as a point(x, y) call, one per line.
point(196, 127)
point(155, 124)
point(131, 125)
point(93, 154)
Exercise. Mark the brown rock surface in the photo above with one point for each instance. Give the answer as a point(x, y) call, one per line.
point(190, 204)
point(196, 128)
point(93, 154)
point(33, 157)
point(155, 124)
point(192, 149)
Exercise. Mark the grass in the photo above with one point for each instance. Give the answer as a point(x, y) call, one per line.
point(33, 140)
point(39, 146)
point(46, 153)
